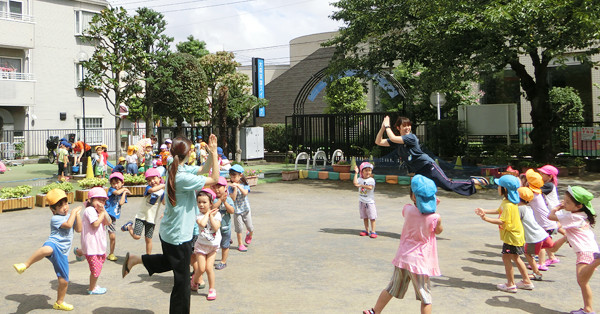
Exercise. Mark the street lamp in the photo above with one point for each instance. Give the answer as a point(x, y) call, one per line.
point(82, 57)
point(438, 99)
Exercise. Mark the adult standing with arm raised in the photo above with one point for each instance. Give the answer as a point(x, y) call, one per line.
point(419, 162)
point(177, 225)
point(81, 152)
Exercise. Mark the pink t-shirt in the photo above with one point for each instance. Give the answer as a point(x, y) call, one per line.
point(93, 240)
point(417, 251)
point(579, 232)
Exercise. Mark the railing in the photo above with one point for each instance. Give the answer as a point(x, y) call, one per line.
point(16, 16)
point(8, 75)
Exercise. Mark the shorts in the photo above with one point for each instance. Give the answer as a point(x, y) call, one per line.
point(511, 249)
point(399, 285)
point(142, 224)
point(59, 261)
point(61, 168)
point(535, 248)
point(225, 239)
point(95, 262)
point(367, 210)
point(205, 249)
point(586, 257)
point(243, 218)
point(111, 227)
point(551, 232)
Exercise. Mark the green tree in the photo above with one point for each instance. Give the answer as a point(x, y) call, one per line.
point(114, 71)
point(345, 95)
point(192, 46)
point(463, 38)
point(567, 109)
point(180, 89)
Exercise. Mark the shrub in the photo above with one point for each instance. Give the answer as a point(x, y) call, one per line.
point(15, 192)
point(129, 179)
point(65, 186)
point(89, 183)
point(276, 137)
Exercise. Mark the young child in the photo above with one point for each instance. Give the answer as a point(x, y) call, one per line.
point(540, 212)
point(511, 232)
point(226, 208)
point(549, 175)
point(132, 160)
point(146, 218)
point(63, 161)
point(100, 169)
point(120, 167)
point(416, 259)
point(117, 196)
point(201, 153)
point(58, 245)
point(148, 157)
point(207, 245)
point(223, 161)
point(192, 159)
point(366, 197)
point(164, 153)
point(238, 190)
point(93, 237)
point(578, 217)
point(536, 238)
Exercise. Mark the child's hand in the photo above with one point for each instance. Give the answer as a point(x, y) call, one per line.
point(76, 210)
point(356, 170)
point(212, 144)
point(437, 201)
point(386, 121)
point(212, 212)
point(127, 191)
point(479, 212)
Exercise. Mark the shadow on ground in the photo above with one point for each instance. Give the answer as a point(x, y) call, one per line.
point(28, 303)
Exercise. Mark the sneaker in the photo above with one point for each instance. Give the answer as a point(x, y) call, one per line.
point(503, 287)
point(97, 290)
point(581, 311)
point(552, 261)
point(373, 235)
point(212, 294)
point(125, 227)
point(242, 248)
point(111, 257)
point(63, 306)
point(535, 277)
point(248, 238)
point(220, 266)
point(363, 233)
point(371, 311)
point(79, 258)
point(525, 286)
point(20, 268)
point(193, 286)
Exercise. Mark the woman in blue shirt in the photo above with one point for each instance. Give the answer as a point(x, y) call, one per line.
point(419, 162)
point(177, 225)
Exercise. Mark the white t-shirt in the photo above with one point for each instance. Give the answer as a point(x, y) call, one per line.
point(131, 159)
point(540, 212)
point(365, 195)
point(207, 236)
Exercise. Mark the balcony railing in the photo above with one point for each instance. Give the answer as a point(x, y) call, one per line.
point(16, 16)
point(17, 76)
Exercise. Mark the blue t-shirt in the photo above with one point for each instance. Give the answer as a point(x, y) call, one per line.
point(411, 152)
point(225, 216)
point(112, 203)
point(60, 236)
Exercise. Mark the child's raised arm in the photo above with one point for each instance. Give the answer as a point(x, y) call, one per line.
point(202, 221)
point(214, 224)
point(71, 221)
point(156, 188)
point(552, 214)
point(481, 213)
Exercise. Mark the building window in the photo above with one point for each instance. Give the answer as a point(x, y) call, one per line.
point(9, 67)
point(82, 21)
point(93, 130)
point(11, 9)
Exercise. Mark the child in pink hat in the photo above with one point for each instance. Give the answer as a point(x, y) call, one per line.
point(549, 174)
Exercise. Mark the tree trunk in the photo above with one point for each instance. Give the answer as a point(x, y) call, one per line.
point(221, 106)
point(117, 137)
point(541, 118)
point(238, 148)
point(148, 118)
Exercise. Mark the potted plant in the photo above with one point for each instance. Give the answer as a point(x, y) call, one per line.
point(135, 183)
point(40, 199)
point(342, 166)
point(86, 184)
point(577, 167)
point(289, 174)
point(252, 176)
point(15, 197)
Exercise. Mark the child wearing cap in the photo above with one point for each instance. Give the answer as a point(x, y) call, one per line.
point(226, 209)
point(549, 175)
point(120, 167)
point(536, 237)
point(117, 196)
point(100, 168)
point(511, 232)
point(416, 259)
point(146, 218)
point(223, 161)
point(164, 153)
point(93, 237)
point(239, 189)
point(63, 161)
point(147, 157)
point(366, 197)
point(132, 160)
point(578, 217)
point(200, 148)
point(58, 245)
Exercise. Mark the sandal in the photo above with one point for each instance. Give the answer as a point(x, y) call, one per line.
point(505, 288)
point(220, 266)
point(535, 277)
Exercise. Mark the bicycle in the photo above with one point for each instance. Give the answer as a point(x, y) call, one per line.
point(52, 144)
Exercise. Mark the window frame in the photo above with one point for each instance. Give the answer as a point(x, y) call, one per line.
point(79, 29)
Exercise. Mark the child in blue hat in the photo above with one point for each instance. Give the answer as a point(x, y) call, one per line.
point(511, 232)
point(416, 259)
point(238, 190)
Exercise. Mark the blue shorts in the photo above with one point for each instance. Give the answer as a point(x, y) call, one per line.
point(225, 239)
point(59, 260)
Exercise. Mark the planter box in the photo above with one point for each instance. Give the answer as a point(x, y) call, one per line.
point(323, 175)
point(341, 168)
point(312, 174)
point(252, 180)
point(576, 171)
point(391, 179)
point(289, 175)
point(345, 176)
point(403, 180)
point(334, 175)
point(563, 171)
point(82, 195)
point(41, 201)
point(136, 190)
point(302, 174)
point(16, 203)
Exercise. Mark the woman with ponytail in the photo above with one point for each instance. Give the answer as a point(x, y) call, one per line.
point(177, 225)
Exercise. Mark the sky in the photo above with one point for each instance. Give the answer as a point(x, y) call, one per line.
point(249, 28)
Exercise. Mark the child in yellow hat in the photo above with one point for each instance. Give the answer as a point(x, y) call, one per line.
point(132, 160)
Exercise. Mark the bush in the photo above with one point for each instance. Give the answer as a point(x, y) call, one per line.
point(129, 179)
point(276, 137)
point(65, 186)
point(92, 182)
point(16, 192)
point(567, 108)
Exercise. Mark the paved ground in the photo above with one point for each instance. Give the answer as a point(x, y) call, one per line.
point(306, 257)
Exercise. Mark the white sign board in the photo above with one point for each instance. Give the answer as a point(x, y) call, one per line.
point(496, 119)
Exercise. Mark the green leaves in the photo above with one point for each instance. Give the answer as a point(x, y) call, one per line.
point(345, 95)
point(65, 186)
point(89, 183)
point(130, 179)
point(15, 192)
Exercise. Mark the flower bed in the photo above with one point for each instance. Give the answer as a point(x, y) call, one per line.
point(15, 198)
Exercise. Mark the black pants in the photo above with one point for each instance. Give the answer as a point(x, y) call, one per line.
point(435, 173)
point(177, 259)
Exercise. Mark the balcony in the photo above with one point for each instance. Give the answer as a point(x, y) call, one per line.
point(17, 30)
point(17, 88)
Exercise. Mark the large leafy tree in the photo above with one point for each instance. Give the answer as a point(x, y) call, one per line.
point(345, 95)
point(464, 37)
point(193, 46)
point(114, 71)
point(180, 89)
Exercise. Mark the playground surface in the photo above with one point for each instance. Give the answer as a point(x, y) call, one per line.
point(306, 256)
